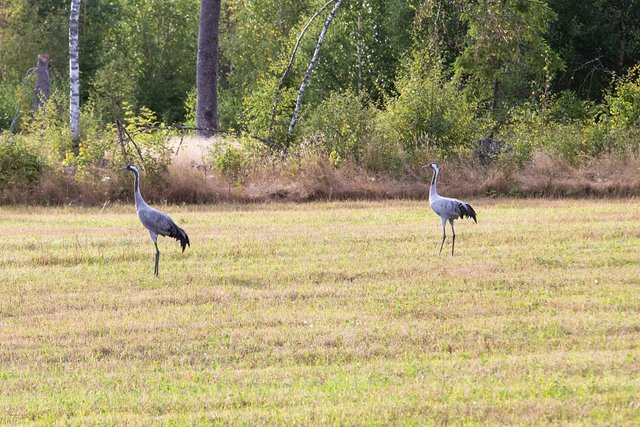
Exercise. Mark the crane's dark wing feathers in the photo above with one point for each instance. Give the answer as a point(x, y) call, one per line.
point(175, 232)
point(162, 224)
point(466, 210)
point(179, 234)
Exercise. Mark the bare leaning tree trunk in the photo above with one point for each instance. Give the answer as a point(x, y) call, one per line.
point(312, 64)
point(291, 58)
point(74, 71)
point(42, 81)
point(207, 68)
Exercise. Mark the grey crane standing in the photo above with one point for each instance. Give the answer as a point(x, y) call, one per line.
point(448, 209)
point(156, 222)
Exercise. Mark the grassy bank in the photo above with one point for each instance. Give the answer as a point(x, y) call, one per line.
point(322, 313)
point(192, 177)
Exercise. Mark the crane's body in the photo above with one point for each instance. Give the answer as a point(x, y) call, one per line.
point(156, 222)
point(447, 208)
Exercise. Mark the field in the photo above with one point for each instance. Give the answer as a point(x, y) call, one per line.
point(323, 313)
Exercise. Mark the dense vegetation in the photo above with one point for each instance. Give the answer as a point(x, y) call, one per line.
point(397, 81)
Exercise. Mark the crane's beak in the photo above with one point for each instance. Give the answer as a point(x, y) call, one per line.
point(123, 168)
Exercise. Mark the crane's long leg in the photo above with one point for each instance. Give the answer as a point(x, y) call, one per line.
point(444, 234)
point(453, 242)
point(155, 269)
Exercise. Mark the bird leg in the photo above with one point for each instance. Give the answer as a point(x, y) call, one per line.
point(444, 234)
point(155, 269)
point(453, 242)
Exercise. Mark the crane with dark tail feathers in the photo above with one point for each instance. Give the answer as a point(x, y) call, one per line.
point(156, 222)
point(447, 208)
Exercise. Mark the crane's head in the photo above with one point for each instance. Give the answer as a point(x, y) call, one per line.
point(131, 168)
point(433, 166)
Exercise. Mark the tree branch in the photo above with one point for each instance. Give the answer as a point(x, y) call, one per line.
point(291, 58)
point(314, 59)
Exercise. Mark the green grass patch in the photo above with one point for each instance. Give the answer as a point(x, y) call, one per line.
point(322, 313)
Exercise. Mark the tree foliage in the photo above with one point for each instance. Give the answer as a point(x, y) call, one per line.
point(430, 112)
point(394, 77)
point(507, 57)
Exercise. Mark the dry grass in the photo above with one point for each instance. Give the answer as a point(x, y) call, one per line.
point(190, 180)
point(322, 313)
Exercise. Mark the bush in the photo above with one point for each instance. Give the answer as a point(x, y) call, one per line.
point(233, 157)
point(566, 107)
point(617, 128)
point(150, 149)
point(258, 107)
point(98, 147)
point(191, 108)
point(430, 112)
point(576, 130)
point(532, 129)
point(229, 158)
point(573, 141)
point(623, 104)
point(48, 128)
point(340, 126)
point(96, 142)
point(19, 163)
point(7, 105)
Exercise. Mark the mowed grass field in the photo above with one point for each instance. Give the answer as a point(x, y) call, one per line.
point(323, 313)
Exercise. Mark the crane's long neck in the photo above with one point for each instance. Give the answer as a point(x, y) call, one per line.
point(433, 193)
point(136, 190)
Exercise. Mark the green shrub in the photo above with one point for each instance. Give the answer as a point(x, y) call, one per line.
point(19, 163)
point(230, 159)
point(430, 112)
point(552, 130)
point(623, 103)
point(340, 126)
point(258, 107)
point(96, 142)
point(384, 155)
point(566, 107)
point(617, 128)
point(234, 156)
point(48, 128)
point(7, 105)
point(531, 129)
point(150, 149)
point(190, 108)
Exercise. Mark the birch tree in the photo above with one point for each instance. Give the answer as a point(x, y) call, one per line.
point(74, 71)
point(207, 68)
point(312, 64)
point(291, 58)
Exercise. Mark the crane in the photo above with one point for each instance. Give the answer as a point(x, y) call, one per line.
point(447, 208)
point(156, 222)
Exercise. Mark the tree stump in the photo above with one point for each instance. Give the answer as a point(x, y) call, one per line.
point(43, 85)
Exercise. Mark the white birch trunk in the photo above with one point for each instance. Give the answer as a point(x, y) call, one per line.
point(74, 71)
point(292, 57)
point(314, 59)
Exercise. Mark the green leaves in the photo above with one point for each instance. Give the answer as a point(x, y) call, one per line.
point(19, 163)
point(340, 126)
point(430, 112)
point(506, 58)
